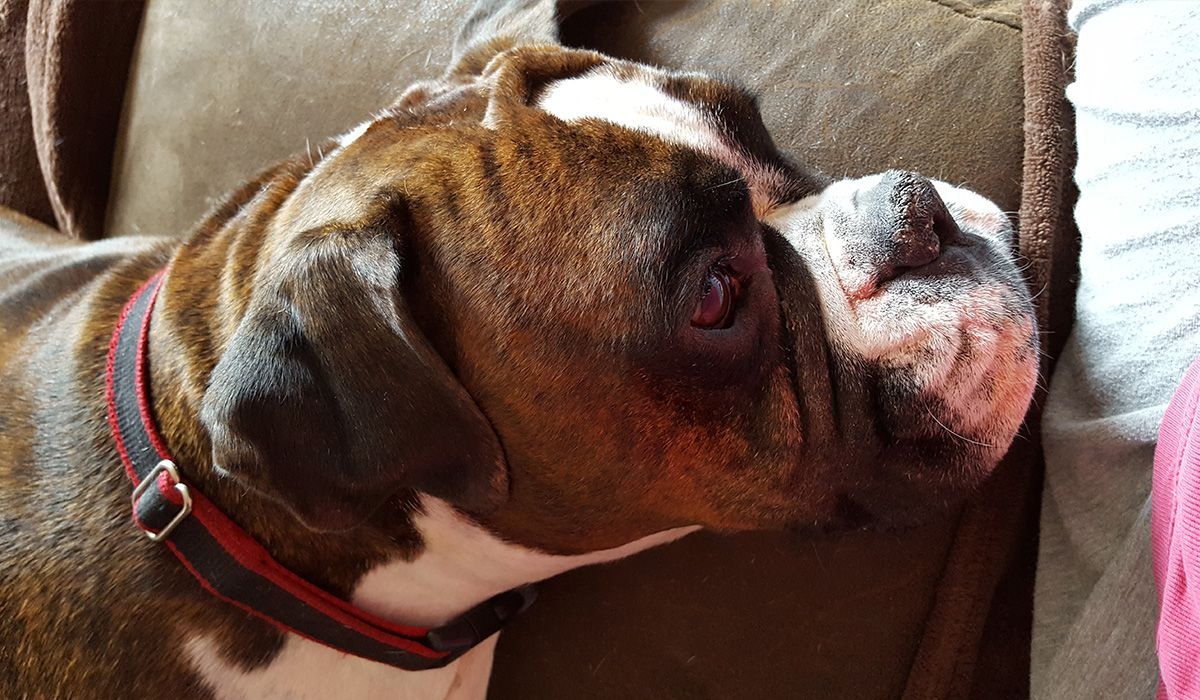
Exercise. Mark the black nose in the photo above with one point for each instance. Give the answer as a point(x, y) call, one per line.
point(911, 223)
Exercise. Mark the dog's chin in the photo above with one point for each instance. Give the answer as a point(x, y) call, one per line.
point(913, 485)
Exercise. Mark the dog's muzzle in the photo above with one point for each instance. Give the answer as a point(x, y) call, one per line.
point(930, 329)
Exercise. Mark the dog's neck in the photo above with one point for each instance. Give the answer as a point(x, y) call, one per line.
point(460, 565)
point(425, 562)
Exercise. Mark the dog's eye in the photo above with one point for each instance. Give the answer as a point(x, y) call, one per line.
point(718, 300)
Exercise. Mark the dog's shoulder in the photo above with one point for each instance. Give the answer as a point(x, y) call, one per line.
point(58, 491)
point(41, 269)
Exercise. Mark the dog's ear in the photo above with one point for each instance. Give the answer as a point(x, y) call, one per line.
point(495, 25)
point(491, 28)
point(330, 399)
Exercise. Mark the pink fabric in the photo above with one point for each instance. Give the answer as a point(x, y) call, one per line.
point(1176, 533)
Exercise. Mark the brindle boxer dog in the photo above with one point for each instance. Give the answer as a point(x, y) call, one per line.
point(552, 311)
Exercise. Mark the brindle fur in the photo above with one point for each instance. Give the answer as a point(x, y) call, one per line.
point(434, 281)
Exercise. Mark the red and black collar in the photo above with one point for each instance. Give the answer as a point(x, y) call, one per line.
point(230, 564)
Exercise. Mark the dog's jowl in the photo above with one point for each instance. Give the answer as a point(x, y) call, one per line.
point(536, 316)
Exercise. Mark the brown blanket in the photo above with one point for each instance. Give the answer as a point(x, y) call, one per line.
point(976, 642)
point(62, 84)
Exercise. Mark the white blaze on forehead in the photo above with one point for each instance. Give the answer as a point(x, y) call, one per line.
point(640, 104)
point(634, 104)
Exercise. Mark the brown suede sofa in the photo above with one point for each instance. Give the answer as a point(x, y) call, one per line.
point(123, 118)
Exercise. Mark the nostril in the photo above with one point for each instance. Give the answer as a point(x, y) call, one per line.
point(918, 223)
point(915, 245)
point(944, 226)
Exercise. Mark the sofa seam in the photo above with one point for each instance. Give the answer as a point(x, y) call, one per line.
point(960, 8)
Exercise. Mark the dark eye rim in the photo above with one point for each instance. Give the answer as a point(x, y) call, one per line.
point(724, 272)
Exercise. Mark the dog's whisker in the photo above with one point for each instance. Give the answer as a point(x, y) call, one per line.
point(964, 438)
point(725, 184)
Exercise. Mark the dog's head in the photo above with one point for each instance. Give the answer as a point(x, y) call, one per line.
point(583, 301)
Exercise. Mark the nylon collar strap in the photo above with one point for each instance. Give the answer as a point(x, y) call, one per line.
point(231, 565)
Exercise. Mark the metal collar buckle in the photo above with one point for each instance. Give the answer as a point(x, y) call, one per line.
point(173, 474)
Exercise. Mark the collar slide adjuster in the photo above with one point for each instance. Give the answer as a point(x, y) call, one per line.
point(159, 510)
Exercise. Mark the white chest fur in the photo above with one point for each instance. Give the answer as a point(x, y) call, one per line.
point(461, 566)
point(305, 669)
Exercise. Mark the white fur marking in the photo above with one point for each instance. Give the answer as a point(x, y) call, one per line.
point(633, 104)
point(952, 347)
point(885, 325)
point(461, 566)
point(304, 670)
point(640, 105)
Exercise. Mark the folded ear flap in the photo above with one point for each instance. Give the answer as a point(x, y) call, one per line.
point(492, 28)
point(330, 399)
point(501, 24)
